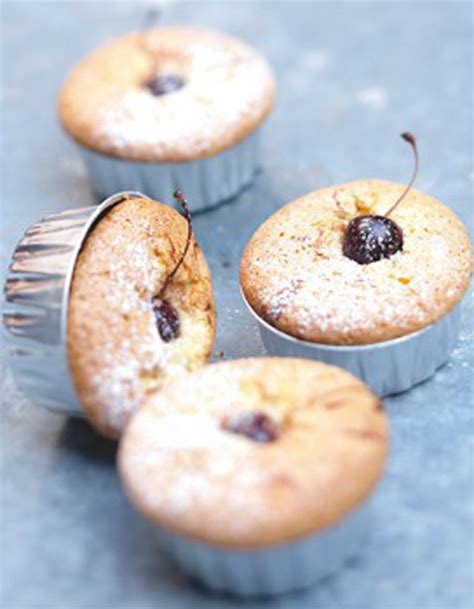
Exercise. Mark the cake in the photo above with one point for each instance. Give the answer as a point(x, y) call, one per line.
point(252, 455)
point(357, 263)
point(159, 101)
point(139, 313)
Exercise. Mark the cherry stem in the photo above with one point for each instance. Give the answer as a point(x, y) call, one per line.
point(410, 138)
point(187, 215)
point(150, 18)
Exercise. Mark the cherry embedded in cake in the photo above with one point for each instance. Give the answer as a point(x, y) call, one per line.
point(256, 428)
point(368, 238)
point(170, 106)
point(358, 263)
point(167, 317)
point(162, 84)
point(141, 309)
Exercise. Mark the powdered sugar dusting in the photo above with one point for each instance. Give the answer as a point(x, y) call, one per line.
point(227, 87)
point(307, 287)
point(117, 352)
point(125, 357)
point(185, 433)
point(184, 469)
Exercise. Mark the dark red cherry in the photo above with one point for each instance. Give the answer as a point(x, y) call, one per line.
point(164, 84)
point(256, 426)
point(166, 316)
point(370, 238)
point(167, 319)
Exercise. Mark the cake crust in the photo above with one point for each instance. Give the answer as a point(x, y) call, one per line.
point(294, 274)
point(228, 92)
point(185, 472)
point(116, 354)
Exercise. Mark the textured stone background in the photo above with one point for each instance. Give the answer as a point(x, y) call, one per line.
point(351, 77)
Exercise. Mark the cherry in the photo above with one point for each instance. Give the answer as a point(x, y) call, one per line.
point(370, 238)
point(256, 426)
point(159, 84)
point(167, 319)
point(164, 84)
point(166, 316)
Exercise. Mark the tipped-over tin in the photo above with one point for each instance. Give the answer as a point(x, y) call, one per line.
point(37, 295)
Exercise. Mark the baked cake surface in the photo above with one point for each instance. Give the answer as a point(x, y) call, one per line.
point(228, 91)
point(116, 353)
point(295, 276)
point(186, 466)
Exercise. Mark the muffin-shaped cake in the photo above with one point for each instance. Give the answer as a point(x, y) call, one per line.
point(170, 107)
point(365, 275)
point(255, 470)
point(139, 312)
point(296, 276)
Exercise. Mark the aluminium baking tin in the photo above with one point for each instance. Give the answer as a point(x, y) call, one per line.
point(273, 570)
point(37, 295)
point(205, 182)
point(388, 367)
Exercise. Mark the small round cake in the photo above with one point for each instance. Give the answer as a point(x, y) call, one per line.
point(315, 271)
point(136, 316)
point(166, 99)
point(167, 94)
point(253, 454)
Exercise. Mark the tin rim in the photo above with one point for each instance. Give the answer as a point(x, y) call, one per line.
point(340, 348)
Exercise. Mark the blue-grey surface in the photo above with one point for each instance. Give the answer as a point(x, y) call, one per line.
point(351, 77)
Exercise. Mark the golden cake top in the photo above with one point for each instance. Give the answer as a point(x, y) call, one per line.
point(167, 94)
point(254, 452)
point(294, 273)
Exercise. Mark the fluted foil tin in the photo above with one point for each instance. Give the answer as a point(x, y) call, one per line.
point(274, 570)
point(205, 182)
point(388, 367)
point(37, 295)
